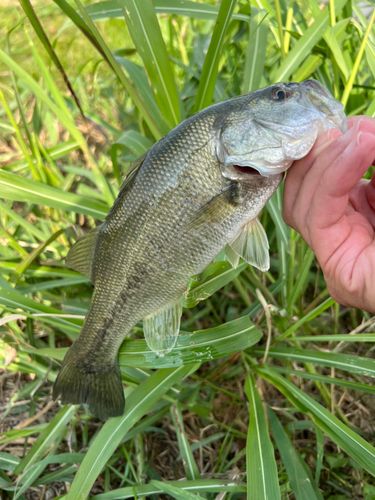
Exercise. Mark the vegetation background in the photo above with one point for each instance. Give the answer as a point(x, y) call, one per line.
point(272, 396)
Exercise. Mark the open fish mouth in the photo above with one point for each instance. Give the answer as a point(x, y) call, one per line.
point(246, 170)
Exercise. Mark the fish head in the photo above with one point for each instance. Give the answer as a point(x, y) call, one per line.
point(270, 128)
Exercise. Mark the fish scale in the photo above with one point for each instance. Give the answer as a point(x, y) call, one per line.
point(194, 192)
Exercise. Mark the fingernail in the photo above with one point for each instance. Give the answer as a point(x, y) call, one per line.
point(359, 122)
point(349, 135)
point(359, 138)
point(352, 145)
point(329, 136)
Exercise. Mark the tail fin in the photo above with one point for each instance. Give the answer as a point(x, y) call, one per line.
point(101, 392)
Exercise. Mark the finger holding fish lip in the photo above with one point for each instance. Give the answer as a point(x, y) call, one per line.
point(341, 231)
point(319, 208)
point(316, 178)
point(301, 181)
point(332, 196)
point(305, 176)
point(369, 123)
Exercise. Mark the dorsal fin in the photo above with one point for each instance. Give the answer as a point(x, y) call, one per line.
point(132, 172)
point(81, 254)
point(127, 184)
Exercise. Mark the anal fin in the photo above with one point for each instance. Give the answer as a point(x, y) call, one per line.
point(252, 245)
point(161, 329)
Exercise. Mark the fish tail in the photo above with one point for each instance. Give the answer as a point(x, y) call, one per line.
point(99, 387)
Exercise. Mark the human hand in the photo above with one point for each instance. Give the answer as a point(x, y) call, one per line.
point(333, 208)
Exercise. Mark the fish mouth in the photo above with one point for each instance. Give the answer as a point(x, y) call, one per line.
point(249, 173)
point(246, 170)
point(253, 171)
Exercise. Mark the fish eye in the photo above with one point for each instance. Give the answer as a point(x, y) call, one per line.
point(279, 94)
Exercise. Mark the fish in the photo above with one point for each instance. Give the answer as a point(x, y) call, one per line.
point(197, 191)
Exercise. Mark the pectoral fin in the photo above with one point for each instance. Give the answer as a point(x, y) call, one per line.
point(161, 329)
point(216, 209)
point(252, 245)
point(81, 254)
point(232, 257)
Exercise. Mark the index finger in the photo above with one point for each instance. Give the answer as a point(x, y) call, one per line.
point(353, 120)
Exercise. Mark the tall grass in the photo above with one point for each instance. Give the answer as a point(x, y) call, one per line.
point(266, 395)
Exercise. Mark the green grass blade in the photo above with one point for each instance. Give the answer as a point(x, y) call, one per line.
point(345, 337)
point(346, 362)
point(55, 153)
point(208, 77)
point(21, 141)
point(63, 116)
point(130, 89)
point(50, 284)
point(320, 452)
point(199, 486)
point(301, 279)
point(42, 95)
point(18, 188)
point(300, 482)
point(50, 82)
point(33, 473)
point(17, 94)
point(13, 300)
point(138, 77)
point(341, 382)
point(212, 279)
point(41, 271)
point(174, 491)
point(274, 207)
point(353, 74)
point(307, 68)
point(304, 45)
point(138, 403)
point(145, 31)
point(81, 25)
point(371, 109)
point(191, 468)
point(308, 317)
point(111, 10)
point(8, 462)
point(256, 50)
point(5, 125)
point(262, 480)
point(341, 434)
point(134, 141)
point(46, 438)
point(201, 346)
point(333, 44)
point(34, 20)
point(21, 268)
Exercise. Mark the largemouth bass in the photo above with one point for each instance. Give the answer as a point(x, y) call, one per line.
point(196, 191)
